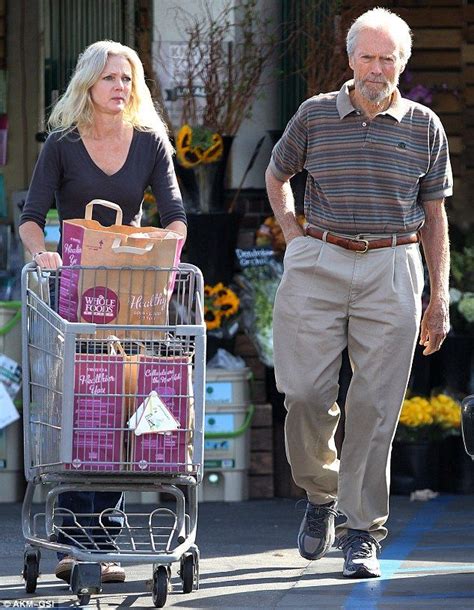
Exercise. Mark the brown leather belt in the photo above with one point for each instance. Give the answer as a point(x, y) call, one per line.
point(362, 245)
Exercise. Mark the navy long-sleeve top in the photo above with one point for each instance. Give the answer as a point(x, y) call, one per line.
point(66, 173)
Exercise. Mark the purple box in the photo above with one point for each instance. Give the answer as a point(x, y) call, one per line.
point(171, 379)
point(98, 413)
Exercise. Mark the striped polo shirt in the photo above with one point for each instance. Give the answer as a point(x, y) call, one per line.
point(365, 176)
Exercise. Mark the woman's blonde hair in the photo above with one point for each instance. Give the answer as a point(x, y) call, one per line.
point(75, 107)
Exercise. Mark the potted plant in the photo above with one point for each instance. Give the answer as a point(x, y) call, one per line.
point(417, 455)
point(214, 84)
point(221, 309)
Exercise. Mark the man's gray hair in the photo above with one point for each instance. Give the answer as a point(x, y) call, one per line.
point(385, 20)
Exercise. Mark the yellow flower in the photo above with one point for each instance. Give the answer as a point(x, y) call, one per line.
point(447, 411)
point(214, 152)
point(220, 303)
point(197, 146)
point(212, 318)
point(148, 197)
point(416, 412)
point(421, 418)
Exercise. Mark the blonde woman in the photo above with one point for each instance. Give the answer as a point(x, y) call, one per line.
point(107, 141)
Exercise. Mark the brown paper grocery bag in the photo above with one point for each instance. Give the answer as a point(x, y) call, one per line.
point(130, 366)
point(121, 293)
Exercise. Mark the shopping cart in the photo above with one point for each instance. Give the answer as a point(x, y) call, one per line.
point(111, 407)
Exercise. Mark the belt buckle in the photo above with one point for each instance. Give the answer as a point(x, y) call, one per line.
point(365, 242)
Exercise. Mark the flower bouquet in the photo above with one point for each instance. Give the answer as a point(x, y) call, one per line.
point(428, 419)
point(259, 281)
point(201, 157)
point(418, 456)
point(198, 145)
point(221, 306)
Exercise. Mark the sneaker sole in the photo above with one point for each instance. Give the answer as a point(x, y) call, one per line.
point(361, 573)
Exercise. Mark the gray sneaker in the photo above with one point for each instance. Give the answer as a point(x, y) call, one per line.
point(316, 535)
point(360, 554)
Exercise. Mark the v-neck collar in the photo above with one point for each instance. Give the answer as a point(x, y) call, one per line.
point(94, 164)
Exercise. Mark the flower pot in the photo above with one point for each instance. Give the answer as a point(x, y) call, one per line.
point(202, 186)
point(452, 365)
point(414, 466)
point(456, 474)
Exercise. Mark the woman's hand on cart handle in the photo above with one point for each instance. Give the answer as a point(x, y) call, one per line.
point(47, 260)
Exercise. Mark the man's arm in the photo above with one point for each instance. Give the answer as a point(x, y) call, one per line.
point(435, 240)
point(283, 206)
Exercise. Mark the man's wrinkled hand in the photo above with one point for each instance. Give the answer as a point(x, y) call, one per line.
point(434, 326)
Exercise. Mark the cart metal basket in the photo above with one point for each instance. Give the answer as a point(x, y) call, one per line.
point(111, 407)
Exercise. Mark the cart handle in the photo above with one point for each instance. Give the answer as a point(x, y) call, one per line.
point(16, 318)
point(243, 428)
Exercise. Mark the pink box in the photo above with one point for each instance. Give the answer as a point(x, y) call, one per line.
point(171, 379)
point(98, 413)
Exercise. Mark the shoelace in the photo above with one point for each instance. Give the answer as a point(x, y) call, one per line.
point(361, 544)
point(316, 516)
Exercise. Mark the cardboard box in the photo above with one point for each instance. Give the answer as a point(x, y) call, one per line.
point(171, 379)
point(98, 413)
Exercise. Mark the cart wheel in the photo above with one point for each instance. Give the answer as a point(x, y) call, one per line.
point(187, 573)
point(31, 570)
point(83, 598)
point(160, 586)
point(85, 580)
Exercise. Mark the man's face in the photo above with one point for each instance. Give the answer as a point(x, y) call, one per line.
point(376, 64)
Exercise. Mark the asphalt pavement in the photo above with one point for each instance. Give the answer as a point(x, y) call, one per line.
point(249, 560)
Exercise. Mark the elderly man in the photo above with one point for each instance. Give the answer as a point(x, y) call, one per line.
point(378, 173)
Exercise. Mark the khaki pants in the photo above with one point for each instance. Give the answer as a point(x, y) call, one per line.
point(330, 298)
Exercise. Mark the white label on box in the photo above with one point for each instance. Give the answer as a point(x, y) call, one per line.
point(219, 392)
point(153, 416)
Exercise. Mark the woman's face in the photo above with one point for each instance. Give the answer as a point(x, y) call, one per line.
point(111, 93)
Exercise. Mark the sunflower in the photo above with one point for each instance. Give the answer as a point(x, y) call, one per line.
point(220, 304)
point(212, 318)
point(214, 152)
point(228, 303)
point(195, 145)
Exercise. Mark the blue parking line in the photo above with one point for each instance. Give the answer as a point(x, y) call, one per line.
point(451, 547)
point(365, 594)
point(459, 567)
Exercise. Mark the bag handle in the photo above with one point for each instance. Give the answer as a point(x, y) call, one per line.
point(119, 249)
point(106, 204)
point(115, 348)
